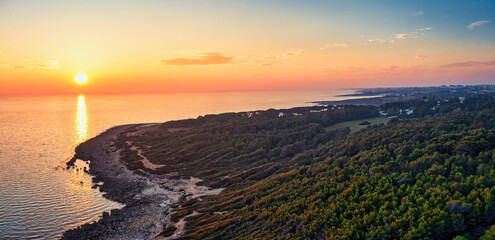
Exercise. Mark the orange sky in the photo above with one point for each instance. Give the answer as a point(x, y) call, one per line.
point(194, 46)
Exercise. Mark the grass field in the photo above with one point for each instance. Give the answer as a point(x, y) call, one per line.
point(354, 125)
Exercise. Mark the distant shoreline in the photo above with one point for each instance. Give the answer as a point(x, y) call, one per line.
point(379, 96)
point(358, 95)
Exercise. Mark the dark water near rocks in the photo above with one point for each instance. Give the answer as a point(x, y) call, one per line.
point(40, 199)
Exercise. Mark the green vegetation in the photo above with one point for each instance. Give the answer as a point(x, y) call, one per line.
point(421, 182)
point(244, 146)
point(355, 125)
point(427, 175)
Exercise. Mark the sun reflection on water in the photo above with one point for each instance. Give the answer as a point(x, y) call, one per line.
point(80, 180)
point(81, 121)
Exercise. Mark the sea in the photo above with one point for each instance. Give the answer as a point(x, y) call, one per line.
point(40, 198)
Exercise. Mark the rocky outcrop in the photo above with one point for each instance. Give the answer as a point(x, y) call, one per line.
point(147, 197)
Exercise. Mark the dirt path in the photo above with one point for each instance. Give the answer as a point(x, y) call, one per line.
point(144, 160)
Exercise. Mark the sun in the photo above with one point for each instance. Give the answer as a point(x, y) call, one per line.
point(81, 78)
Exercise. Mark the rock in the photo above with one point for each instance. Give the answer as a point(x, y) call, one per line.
point(151, 228)
point(115, 212)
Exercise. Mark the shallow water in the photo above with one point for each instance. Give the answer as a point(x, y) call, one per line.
point(40, 199)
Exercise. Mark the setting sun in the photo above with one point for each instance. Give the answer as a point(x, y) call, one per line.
point(81, 78)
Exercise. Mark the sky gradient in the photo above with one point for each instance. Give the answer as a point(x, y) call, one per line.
point(196, 46)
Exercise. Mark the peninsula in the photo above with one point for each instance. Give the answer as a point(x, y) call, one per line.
point(421, 167)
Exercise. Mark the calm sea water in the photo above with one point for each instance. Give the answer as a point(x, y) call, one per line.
point(39, 199)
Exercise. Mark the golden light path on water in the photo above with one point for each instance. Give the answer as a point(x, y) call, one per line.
point(39, 197)
point(81, 120)
point(81, 181)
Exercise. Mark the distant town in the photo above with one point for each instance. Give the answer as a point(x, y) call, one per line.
point(379, 96)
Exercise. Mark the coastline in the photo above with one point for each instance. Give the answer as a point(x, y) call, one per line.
point(149, 191)
point(148, 198)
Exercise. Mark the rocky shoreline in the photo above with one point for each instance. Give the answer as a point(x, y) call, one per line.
point(147, 198)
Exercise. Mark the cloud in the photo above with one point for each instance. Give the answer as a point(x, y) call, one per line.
point(292, 53)
point(51, 64)
point(266, 60)
point(412, 34)
point(270, 59)
point(377, 40)
point(420, 56)
point(390, 69)
point(402, 35)
point(469, 64)
point(344, 45)
point(477, 24)
point(380, 40)
point(425, 29)
point(420, 13)
point(267, 64)
point(204, 59)
point(335, 45)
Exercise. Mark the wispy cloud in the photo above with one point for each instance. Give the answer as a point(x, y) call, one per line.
point(390, 69)
point(420, 13)
point(51, 64)
point(335, 45)
point(402, 35)
point(269, 59)
point(398, 37)
point(266, 64)
point(204, 59)
point(420, 56)
point(469, 64)
point(265, 60)
point(292, 53)
point(377, 40)
point(477, 24)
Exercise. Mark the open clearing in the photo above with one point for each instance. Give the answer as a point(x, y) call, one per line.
point(354, 125)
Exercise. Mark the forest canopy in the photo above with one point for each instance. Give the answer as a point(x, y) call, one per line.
point(429, 173)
